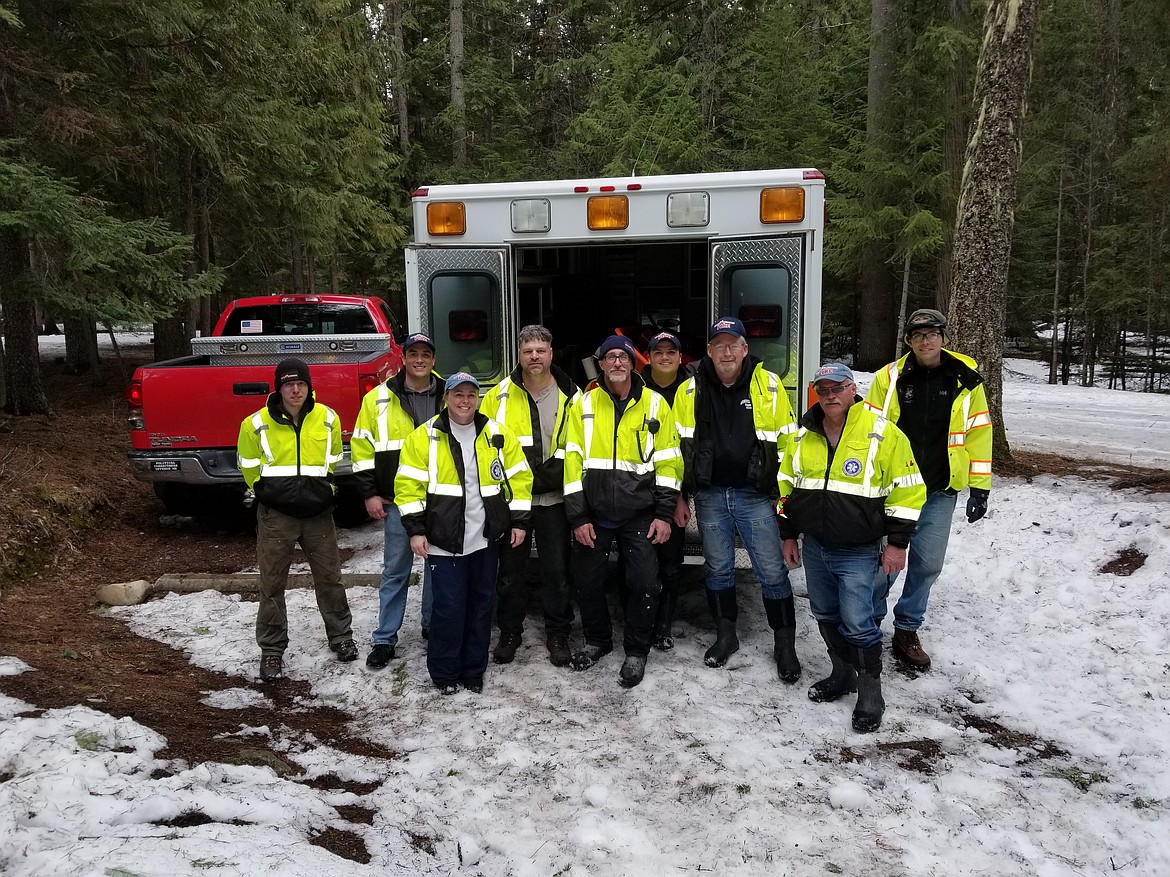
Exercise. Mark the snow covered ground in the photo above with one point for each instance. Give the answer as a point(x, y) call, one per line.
point(1037, 744)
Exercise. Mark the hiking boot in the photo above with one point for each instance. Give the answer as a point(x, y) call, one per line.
point(474, 684)
point(346, 651)
point(271, 667)
point(843, 679)
point(589, 656)
point(505, 652)
point(447, 688)
point(664, 622)
point(558, 650)
point(380, 655)
point(633, 669)
point(664, 643)
point(908, 649)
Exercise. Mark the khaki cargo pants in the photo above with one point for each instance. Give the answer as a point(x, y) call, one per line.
point(276, 537)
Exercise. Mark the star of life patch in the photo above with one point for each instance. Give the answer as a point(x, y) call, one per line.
point(497, 471)
point(851, 467)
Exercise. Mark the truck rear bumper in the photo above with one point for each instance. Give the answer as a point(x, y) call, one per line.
point(199, 467)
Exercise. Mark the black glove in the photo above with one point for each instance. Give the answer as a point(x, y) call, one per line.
point(976, 504)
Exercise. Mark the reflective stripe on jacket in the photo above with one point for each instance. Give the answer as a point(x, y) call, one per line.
point(290, 466)
point(772, 419)
point(382, 425)
point(970, 439)
point(615, 470)
point(428, 488)
point(511, 404)
point(867, 488)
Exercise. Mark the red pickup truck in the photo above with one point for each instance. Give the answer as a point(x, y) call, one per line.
point(185, 413)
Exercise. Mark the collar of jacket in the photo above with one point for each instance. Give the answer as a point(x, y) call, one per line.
point(648, 378)
point(396, 384)
point(444, 422)
point(636, 385)
point(957, 364)
point(278, 414)
point(814, 419)
point(748, 368)
point(564, 382)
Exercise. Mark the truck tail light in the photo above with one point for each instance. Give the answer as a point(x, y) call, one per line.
point(367, 383)
point(782, 204)
point(446, 218)
point(468, 325)
point(136, 416)
point(608, 212)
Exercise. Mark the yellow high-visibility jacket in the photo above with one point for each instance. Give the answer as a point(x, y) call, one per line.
point(509, 403)
point(618, 469)
point(290, 466)
point(867, 488)
point(428, 488)
point(382, 425)
point(772, 420)
point(969, 443)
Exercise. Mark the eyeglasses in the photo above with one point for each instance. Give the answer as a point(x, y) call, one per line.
point(932, 335)
point(727, 348)
point(828, 392)
point(615, 358)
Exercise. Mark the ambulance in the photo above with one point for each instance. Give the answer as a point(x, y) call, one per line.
point(634, 255)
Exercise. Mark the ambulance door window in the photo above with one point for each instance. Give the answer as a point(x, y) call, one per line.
point(466, 323)
point(761, 297)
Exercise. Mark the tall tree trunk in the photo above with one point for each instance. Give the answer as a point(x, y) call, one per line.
point(25, 391)
point(81, 350)
point(987, 200)
point(875, 314)
point(392, 23)
point(1056, 280)
point(458, 98)
point(958, 118)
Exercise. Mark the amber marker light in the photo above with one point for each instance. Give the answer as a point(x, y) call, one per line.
point(784, 204)
point(609, 212)
point(446, 218)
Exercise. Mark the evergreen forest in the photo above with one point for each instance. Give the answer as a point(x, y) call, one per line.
point(158, 157)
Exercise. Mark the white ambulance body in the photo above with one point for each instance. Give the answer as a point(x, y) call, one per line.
point(633, 255)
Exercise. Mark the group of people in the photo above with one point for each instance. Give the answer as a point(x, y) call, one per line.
point(857, 492)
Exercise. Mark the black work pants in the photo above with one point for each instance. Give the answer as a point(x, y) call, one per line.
point(641, 560)
point(551, 528)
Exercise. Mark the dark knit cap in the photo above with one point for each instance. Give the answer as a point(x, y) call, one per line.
point(293, 370)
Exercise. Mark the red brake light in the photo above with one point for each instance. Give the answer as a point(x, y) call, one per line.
point(468, 325)
point(134, 394)
point(813, 175)
point(420, 193)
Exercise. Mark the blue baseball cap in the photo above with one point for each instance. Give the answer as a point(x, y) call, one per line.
point(837, 372)
point(460, 378)
point(418, 338)
point(665, 336)
point(616, 342)
point(727, 326)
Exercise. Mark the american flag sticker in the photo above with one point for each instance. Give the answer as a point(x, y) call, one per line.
point(251, 327)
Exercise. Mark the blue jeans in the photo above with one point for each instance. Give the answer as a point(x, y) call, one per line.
point(465, 589)
point(924, 563)
point(397, 561)
point(724, 511)
point(840, 585)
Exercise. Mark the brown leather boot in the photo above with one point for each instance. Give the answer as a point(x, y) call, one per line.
point(908, 649)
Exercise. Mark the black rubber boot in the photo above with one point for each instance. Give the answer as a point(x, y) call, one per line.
point(867, 715)
point(664, 622)
point(843, 679)
point(725, 611)
point(782, 620)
